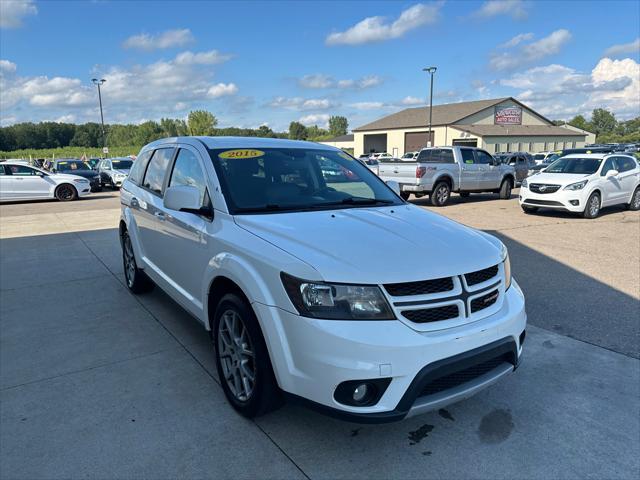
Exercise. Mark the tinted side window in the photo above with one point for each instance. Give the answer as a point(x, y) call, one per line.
point(2, 170)
point(424, 156)
point(187, 171)
point(483, 157)
point(154, 177)
point(21, 171)
point(467, 156)
point(625, 164)
point(139, 166)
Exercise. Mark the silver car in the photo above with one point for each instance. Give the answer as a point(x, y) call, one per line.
point(114, 171)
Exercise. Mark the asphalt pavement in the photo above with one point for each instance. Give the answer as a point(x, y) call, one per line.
point(98, 383)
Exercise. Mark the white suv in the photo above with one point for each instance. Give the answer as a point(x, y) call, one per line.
point(584, 183)
point(317, 287)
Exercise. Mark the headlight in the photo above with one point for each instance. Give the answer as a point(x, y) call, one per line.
point(507, 267)
point(524, 183)
point(577, 185)
point(81, 180)
point(335, 301)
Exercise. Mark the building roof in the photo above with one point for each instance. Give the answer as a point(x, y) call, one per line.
point(445, 114)
point(342, 138)
point(517, 130)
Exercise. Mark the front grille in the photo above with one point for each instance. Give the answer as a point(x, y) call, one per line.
point(484, 301)
point(460, 377)
point(432, 314)
point(530, 201)
point(480, 276)
point(424, 287)
point(543, 188)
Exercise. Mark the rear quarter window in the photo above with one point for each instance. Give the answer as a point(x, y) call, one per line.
point(139, 166)
point(157, 170)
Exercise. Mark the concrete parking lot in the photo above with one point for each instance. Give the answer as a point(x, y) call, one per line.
point(97, 383)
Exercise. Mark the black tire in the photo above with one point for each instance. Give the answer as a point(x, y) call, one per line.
point(635, 201)
point(592, 208)
point(529, 210)
point(505, 189)
point(136, 280)
point(440, 194)
point(264, 396)
point(464, 194)
point(66, 192)
point(405, 195)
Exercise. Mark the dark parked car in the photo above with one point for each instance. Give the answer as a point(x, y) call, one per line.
point(77, 167)
point(520, 161)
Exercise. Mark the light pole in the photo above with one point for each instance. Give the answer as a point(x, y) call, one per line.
point(431, 71)
point(97, 83)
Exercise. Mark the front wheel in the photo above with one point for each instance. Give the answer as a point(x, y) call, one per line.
point(440, 194)
point(66, 192)
point(242, 359)
point(593, 206)
point(137, 281)
point(635, 200)
point(505, 189)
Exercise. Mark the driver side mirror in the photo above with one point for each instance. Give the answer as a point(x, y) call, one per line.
point(395, 186)
point(612, 173)
point(185, 198)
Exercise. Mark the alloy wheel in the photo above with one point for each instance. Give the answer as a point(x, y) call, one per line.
point(237, 357)
point(594, 205)
point(442, 194)
point(636, 200)
point(65, 192)
point(129, 261)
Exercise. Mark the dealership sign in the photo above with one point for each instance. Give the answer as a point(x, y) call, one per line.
point(508, 116)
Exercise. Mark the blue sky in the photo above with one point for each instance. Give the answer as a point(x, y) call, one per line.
point(252, 63)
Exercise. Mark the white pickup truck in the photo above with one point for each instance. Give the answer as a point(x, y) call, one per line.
point(439, 171)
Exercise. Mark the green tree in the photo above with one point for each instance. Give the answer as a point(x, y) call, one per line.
point(297, 131)
point(603, 122)
point(173, 127)
point(579, 121)
point(87, 135)
point(338, 126)
point(148, 132)
point(201, 122)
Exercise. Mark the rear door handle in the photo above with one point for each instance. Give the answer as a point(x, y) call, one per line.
point(134, 203)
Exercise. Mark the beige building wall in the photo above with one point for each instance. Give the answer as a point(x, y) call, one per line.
point(343, 145)
point(486, 116)
point(530, 144)
point(591, 137)
point(395, 138)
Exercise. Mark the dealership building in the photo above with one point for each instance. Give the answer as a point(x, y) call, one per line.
point(498, 125)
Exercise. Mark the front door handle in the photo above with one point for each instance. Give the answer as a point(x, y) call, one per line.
point(160, 216)
point(134, 203)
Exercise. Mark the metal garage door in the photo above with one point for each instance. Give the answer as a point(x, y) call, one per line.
point(466, 142)
point(414, 141)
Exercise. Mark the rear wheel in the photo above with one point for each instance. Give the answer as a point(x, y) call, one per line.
point(137, 281)
point(440, 194)
point(405, 195)
point(592, 208)
point(526, 209)
point(635, 200)
point(66, 192)
point(505, 189)
point(242, 359)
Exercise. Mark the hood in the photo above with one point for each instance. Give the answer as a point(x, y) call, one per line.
point(377, 245)
point(558, 178)
point(81, 173)
point(66, 176)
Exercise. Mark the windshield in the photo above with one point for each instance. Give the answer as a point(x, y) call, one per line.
point(409, 155)
point(121, 164)
point(574, 165)
point(68, 166)
point(272, 180)
point(551, 158)
point(538, 156)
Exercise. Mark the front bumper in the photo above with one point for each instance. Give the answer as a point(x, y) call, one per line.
point(569, 200)
point(312, 357)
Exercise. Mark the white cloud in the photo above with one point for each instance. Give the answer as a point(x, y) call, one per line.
point(412, 101)
point(377, 29)
point(531, 52)
point(316, 80)
point(12, 12)
point(321, 81)
point(517, 40)
point(212, 57)
point(320, 119)
point(167, 39)
point(299, 103)
point(7, 67)
point(222, 89)
point(561, 91)
point(367, 105)
point(129, 94)
point(514, 8)
point(625, 48)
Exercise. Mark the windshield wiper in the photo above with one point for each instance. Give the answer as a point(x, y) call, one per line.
point(360, 201)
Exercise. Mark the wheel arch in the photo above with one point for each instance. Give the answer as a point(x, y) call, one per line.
point(445, 177)
point(62, 184)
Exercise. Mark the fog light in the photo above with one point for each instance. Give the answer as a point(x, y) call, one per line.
point(575, 203)
point(360, 393)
